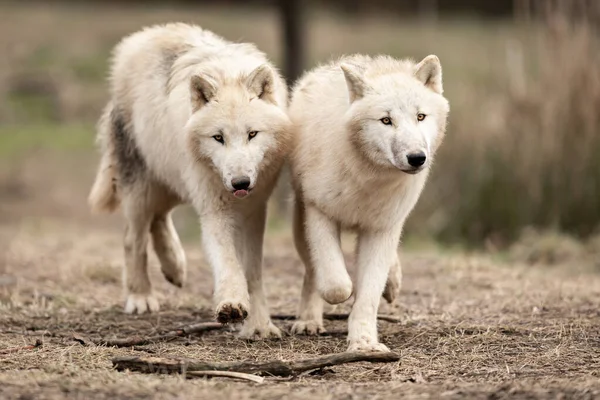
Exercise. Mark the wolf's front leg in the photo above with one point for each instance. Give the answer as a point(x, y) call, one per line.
point(249, 244)
point(323, 238)
point(231, 290)
point(376, 254)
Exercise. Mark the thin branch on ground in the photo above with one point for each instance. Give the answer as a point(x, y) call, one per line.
point(335, 317)
point(199, 328)
point(28, 332)
point(227, 374)
point(333, 332)
point(38, 343)
point(141, 341)
point(148, 364)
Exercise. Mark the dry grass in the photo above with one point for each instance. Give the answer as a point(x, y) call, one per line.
point(526, 155)
point(471, 327)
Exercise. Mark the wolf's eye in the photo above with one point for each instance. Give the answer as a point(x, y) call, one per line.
point(421, 117)
point(386, 120)
point(252, 134)
point(219, 138)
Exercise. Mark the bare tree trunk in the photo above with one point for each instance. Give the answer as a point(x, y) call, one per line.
point(292, 20)
point(293, 38)
point(428, 10)
point(522, 10)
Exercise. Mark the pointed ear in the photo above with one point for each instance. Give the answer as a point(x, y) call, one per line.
point(202, 89)
point(429, 71)
point(357, 87)
point(261, 82)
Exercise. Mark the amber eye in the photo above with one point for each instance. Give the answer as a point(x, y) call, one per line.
point(386, 121)
point(219, 138)
point(421, 117)
point(252, 134)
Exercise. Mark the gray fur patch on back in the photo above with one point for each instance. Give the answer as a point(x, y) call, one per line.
point(131, 165)
point(169, 57)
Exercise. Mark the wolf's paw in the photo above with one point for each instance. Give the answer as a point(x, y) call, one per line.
point(141, 303)
point(175, 274)
point(366, 344)
point(308, 327)
point(229, 312)
point(392, 290)
point(254, 331)
point(393, 285)
point(337, 294)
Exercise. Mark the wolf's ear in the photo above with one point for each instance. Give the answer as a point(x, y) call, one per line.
point(429, 71)
point(261, 82)
point(357, 87)
point(202, 89)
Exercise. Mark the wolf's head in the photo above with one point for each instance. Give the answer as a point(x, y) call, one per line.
point(397, 115)
point(237, 126)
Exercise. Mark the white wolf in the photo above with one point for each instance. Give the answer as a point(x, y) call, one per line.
point(193, 119)
point(366, 131)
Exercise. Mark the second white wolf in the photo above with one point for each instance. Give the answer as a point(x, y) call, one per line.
point(366, 131)
point(193, 119)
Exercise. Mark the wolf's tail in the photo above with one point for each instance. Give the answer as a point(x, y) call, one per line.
point(104, 196)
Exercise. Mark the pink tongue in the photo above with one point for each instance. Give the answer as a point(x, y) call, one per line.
point(240, 193)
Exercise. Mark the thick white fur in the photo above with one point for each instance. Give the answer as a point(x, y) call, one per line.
point(350, 171)
point(173, 88)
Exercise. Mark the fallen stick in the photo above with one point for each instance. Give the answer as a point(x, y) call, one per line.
point(141, 341)
point(389, 318)
point(28, 332)
point(228, 374)
point(335, 317)
point(204, 327)
point(38, 343)
point(134, 341)
point(161, 365)
point(332, 332)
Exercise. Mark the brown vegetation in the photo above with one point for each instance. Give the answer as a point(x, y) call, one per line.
point(523, 136)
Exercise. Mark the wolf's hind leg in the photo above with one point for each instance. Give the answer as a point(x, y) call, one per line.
point(138, 215)
point(168, 249)
point(310, 313)
point(394, 283)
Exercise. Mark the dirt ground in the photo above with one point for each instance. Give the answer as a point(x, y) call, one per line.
point(471, 327)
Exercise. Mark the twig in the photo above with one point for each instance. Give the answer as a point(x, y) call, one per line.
point(38, 343)
point(334, 332)
point(275, 367)
point(198, 328)
point(29, 332)
point(141, 341)
point(335, 317)
point(389, 318)
point(228, 374)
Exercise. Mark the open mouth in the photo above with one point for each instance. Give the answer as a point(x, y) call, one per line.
point(241, 193)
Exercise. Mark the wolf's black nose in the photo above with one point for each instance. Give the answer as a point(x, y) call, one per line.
point(416, 159)
point(240, 183)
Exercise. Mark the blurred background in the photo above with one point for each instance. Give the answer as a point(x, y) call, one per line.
point(519, 169)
